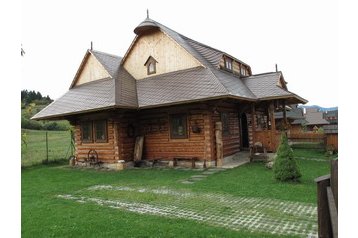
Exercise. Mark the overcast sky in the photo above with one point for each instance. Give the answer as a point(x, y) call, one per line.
point(300, 36)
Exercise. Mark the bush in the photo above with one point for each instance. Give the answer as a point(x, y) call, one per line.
point(285, 167)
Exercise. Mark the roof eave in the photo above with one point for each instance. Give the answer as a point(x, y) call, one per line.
point(297, 98)
point(64, 115)
point(197, 100)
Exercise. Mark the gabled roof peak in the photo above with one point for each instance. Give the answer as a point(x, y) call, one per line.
point(148, 25)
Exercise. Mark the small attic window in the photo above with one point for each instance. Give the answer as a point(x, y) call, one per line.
point(151, 65)
point(228, 63)
point(243, 71)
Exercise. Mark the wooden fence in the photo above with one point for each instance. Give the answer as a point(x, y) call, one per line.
point(308, 140)
point(327, 203)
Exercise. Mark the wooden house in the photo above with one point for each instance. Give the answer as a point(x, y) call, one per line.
point(173, 91)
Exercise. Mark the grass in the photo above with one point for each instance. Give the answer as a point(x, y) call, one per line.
point(33, 146)
point(45, 215)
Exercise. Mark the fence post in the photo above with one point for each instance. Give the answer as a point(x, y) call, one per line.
point(46, 148)
point(324, 223)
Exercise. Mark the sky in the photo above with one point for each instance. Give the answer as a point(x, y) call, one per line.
point(299, 36)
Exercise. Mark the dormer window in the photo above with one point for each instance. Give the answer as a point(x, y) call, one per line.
point(243, 71)
point(151, 65)
point(228, 63)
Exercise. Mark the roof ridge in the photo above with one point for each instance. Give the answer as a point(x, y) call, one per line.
point(212, 48)
point(261, 74)
point(105, 53)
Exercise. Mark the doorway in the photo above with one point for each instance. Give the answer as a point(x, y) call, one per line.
point(244, 132)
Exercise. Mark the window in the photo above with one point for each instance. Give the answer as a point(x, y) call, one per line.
point(100, 129)
point(151, 68)
point(94, 131)
point(86, 129)
point(243, 70)
point(228, 63)
point(178, 126)
point(225, 122)
point(151, 65)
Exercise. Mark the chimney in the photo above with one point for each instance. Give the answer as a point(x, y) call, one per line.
point(91, 45)
point(276, 67)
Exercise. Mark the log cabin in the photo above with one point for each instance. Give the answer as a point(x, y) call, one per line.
point(174, 92)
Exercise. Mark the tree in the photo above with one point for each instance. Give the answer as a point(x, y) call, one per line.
point(285, 167)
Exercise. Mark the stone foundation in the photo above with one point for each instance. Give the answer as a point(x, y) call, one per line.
point(147, 163)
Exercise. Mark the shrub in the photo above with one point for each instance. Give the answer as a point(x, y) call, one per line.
point(285, 167)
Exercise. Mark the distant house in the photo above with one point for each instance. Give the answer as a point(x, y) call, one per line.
point(331, 116)
point(173, 91)
point(295, 118)
point(314, 119)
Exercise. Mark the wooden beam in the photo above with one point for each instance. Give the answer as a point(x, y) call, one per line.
point(138, 148)
point(253, 124)
point(219, 144)
point(324, 223)
point(273, 126)
point(284, 114)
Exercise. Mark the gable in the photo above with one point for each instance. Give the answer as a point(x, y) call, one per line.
point(170, 56)
point(90, 70)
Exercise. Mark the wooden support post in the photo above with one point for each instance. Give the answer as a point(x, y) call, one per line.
point(138, 148)
point(219, 144)
point(284, 115)
point(324, 223)
point(334, 180)
point(273, 126)
point(253, 123)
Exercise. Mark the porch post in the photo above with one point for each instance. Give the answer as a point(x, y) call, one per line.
point(253, 124)
point(219, 144)
point(284, 115)
point(273, 126)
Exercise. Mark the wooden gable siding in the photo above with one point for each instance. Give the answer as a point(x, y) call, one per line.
point(231, 141)
point(156, 130)
point(235, 66)
point(92, 70)
point(107, 152)
point(169, 55)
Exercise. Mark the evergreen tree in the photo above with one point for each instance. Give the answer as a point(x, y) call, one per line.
point(285, 167)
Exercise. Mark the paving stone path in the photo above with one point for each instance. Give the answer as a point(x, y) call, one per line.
point(232, 212)
point(204, 174)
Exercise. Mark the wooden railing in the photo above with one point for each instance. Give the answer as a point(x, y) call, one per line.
point(327, 203)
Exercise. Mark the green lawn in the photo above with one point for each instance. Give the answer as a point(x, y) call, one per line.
point(33, 146)
point(44, 214)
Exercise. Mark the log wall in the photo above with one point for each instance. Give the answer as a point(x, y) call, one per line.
point(154, 125)
point(231, 140)
point(107, 152)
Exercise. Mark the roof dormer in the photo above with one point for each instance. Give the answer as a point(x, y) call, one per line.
point(151, 65)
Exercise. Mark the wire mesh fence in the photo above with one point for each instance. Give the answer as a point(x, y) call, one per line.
point(45, 146)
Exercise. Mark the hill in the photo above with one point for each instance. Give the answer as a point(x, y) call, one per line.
point(31, 103)
point(321, 109)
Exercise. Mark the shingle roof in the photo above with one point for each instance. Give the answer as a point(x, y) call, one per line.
point(110, 62)
point(180, 86)
point(295, 113)
point(85, 97)
point(315, 118)
point(265, 85)
point(200, 83)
